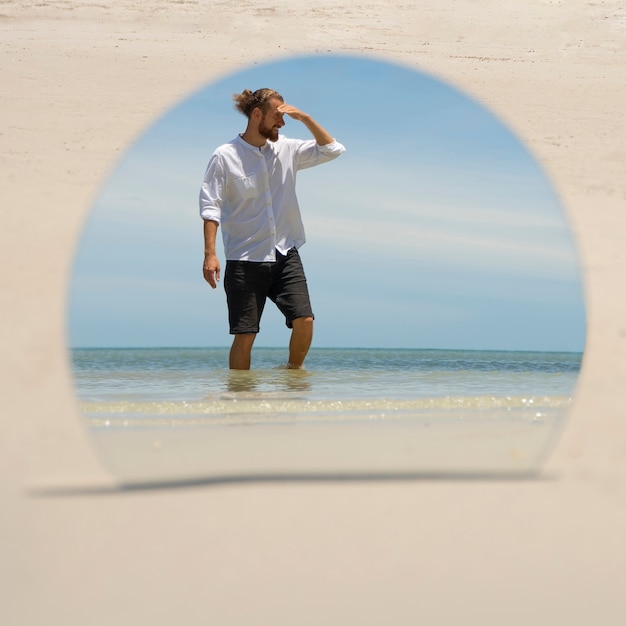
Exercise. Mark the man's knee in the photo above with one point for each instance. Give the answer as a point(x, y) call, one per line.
point(244, 339)
point(304, 324)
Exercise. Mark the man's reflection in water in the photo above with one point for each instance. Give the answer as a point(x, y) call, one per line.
point(270, 382)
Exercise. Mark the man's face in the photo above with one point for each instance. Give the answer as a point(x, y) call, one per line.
point(271, 121)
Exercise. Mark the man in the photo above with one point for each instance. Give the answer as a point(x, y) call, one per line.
point(249, 190)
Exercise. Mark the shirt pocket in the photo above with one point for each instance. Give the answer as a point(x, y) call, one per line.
point(246, 186)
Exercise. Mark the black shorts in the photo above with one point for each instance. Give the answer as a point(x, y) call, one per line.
point(249, 283)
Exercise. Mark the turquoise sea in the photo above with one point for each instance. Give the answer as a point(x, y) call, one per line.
point(161, 396)
point(124, 375)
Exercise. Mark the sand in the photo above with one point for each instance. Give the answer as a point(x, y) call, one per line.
point(79, 81)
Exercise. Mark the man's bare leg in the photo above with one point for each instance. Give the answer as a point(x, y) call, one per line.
point(240, 351)
point(301, 338)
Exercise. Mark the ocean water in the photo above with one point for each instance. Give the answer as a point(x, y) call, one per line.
point(121, 380)
point(209, 419)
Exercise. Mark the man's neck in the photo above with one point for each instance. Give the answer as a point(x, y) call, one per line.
point(254, 139)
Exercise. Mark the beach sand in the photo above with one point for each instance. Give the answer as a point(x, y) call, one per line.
point(80, 80)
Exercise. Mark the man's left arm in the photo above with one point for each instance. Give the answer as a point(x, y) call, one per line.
point(321, 135)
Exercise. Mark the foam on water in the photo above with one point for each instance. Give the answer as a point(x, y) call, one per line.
point(257, 408)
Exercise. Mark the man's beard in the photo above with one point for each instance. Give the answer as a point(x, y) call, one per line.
point(268, 132)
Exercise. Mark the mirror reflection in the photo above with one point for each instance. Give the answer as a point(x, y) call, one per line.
point(449, 316)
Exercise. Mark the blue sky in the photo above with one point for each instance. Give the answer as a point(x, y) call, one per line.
point(436, 229)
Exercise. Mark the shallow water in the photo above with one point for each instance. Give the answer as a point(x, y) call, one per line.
point(196, 374)
point(174, 414)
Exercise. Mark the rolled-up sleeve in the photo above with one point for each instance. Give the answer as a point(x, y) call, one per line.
point(213, 190)
point(333, 149)
point(310, 153)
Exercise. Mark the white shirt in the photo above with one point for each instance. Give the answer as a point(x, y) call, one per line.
point(251, 193)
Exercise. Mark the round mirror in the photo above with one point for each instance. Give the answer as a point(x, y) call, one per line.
point(449, 313)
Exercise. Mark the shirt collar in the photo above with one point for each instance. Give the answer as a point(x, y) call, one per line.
point(256, 149)
point(268, 145)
